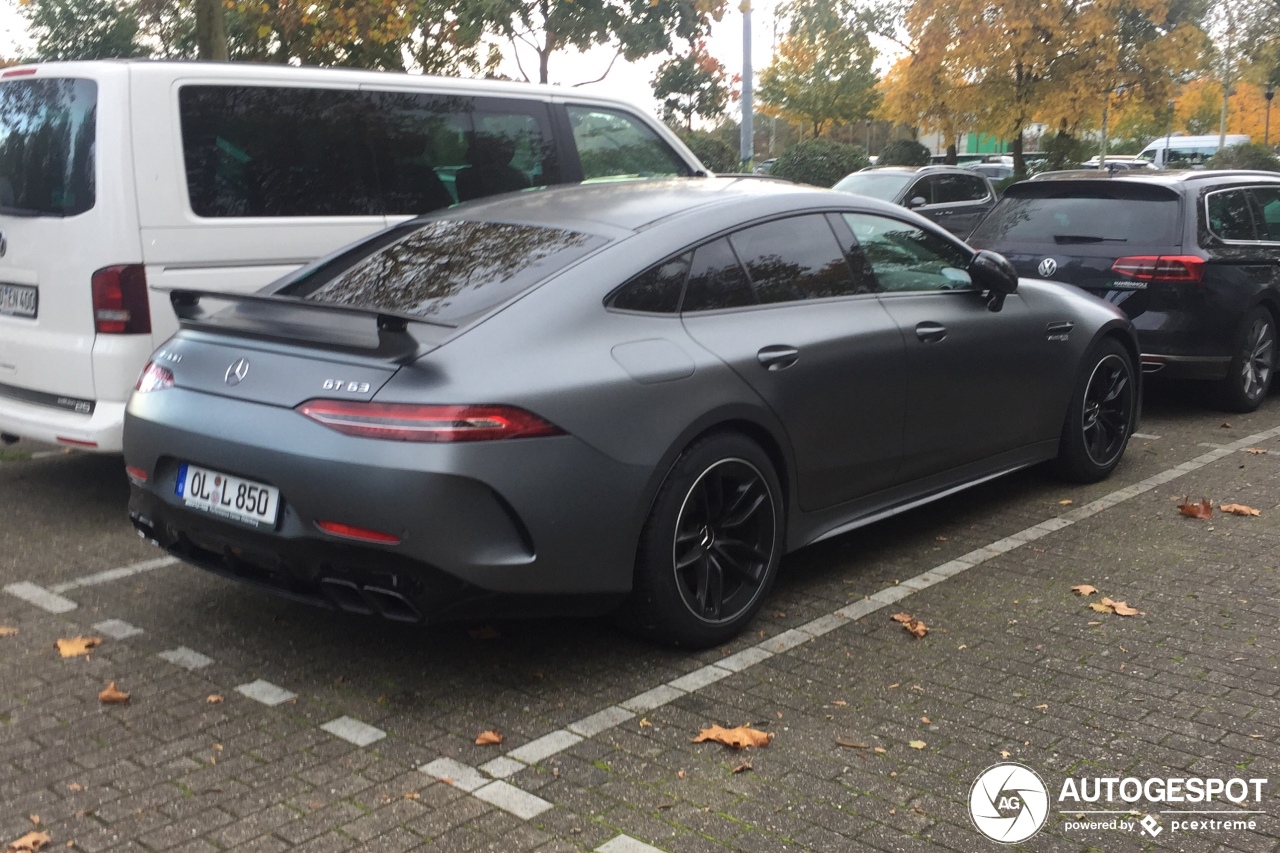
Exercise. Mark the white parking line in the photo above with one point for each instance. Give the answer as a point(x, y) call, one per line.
point(266, 692)
point(353, 731)
point(115, 574)
point(511, 799)
point(186, 658)
point(1148, 436)
point(40, 597)
point(626, 844)
point(117, 629)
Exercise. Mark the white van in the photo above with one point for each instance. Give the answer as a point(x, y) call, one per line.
point(119, 179)
point(1186, 152)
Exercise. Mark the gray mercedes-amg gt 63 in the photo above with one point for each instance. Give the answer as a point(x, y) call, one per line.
point(631, 396)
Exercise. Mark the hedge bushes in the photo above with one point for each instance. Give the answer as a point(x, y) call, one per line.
point(820, 162)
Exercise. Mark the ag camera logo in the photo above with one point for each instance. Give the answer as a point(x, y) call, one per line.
point(1008, 803)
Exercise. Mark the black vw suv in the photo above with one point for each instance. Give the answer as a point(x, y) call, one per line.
point(1192, 257)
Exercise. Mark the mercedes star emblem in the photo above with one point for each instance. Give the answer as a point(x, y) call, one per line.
point(237, 372)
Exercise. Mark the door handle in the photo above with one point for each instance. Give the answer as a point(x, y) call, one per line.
point(778, 357)
point(930, 333)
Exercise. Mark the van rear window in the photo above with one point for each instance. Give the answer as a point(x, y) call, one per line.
point(47, 129)
point(1082, 215)
point(445, 271)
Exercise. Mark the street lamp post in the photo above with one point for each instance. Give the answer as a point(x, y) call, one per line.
point(868, 137)
point(1266, 133)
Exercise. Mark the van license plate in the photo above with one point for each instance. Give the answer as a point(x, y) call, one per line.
point(18, 300)
point(245, 501)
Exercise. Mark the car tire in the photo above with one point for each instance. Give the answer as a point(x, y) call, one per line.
point(1101, 416)
point(1253, 363)
point(710, 549)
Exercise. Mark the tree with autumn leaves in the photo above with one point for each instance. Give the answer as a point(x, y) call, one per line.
point(822, 72)
point(997, 68)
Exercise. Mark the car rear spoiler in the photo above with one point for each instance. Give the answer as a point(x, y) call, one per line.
point(395, 337)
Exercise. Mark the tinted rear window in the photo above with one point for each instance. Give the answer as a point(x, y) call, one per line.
point(46, 146)
point(1083, 216)
point(448, 270)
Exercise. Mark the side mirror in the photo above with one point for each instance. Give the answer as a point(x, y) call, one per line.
point(918, 201)
point(995, 276)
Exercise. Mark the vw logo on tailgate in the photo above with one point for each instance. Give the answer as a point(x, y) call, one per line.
point(1048, 267)
point(237, 372)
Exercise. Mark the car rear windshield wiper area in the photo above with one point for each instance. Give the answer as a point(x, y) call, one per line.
point(1086, 238)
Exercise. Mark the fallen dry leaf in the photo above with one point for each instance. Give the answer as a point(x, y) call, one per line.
point(77, 646)
point(7, 630)
point(413, 795)
point(74, 786)
point(1004, 753)
point(940, 538)
point(743, 767)
point(488, 738)
point(1254, 450)
point(1042, 707)
point(1120, 608)
point(913, 626)
point(852, 744)
point(1204, 509)
point(1225, 425)
point(926, 721)
point(738, 738)
point(1239, 509)
point(111, 695)
point(1084, 589)
point(1066, 502)
point(29, 843)
point(917, 744)
point(893, 686)
point(1100, 607)
point(645, 724)
point(840, 703)
point(679, 774)
point(879, 750)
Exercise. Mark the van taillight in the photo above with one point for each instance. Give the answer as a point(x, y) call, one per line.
point(120, 305)
point(1186, 268)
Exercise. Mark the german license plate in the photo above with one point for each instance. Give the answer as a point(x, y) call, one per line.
point(234, 498)
point(18, 300)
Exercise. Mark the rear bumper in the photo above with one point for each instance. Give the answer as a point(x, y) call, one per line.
point(540, 517)
point(101, 431)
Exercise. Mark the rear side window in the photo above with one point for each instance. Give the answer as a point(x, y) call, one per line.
point(717, 280)
point(1230, 217)
point(656, 290)
point(279, 151)
point(789, 260)
point(612, 144)
point(447, 270)
point(959, 188)
point(47, 134)
point(1268, 210)
point(1145, 215)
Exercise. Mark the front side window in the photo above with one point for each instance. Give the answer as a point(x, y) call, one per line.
point(1229, 216)
point(47, 139)
point(615, 145)
point(906, 257)
point(795, 259)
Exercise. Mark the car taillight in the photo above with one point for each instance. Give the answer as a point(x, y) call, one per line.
point(154, 378)
point(347, 531)
point(1187, 268)
point(120, 305)
point(409, 422)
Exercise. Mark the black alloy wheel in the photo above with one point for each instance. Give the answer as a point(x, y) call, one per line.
point(1101, 416)
point(710, 549)
point(1107, 414)
point(724, 541)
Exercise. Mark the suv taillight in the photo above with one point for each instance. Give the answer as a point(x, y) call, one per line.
point(1185, 268)
point(120, 305)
